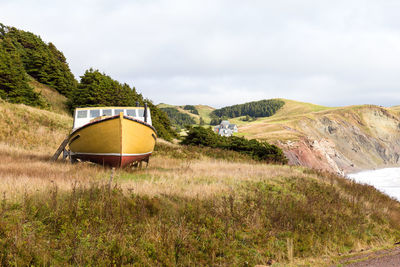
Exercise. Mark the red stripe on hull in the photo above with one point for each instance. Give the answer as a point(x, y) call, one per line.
point(111, 160)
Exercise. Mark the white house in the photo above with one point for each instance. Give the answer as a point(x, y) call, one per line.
point(226, 129)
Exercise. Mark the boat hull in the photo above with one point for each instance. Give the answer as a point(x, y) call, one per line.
point(115, 141)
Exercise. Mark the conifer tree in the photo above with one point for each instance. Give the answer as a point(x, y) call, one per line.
point(13, 81)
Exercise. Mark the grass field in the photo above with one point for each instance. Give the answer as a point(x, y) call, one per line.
point(191, 206)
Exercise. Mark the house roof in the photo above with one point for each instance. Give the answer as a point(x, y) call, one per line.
point(232, 126)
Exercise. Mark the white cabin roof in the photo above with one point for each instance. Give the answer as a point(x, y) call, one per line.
point(83, 116)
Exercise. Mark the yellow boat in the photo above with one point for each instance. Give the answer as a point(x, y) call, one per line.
point(113, 136)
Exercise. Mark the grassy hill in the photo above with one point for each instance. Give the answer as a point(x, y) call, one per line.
point(188, 207)
point(287, 123)
point(279, 126)
point(340, 139)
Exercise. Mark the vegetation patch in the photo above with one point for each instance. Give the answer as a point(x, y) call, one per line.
point(261, 151)
point(258, 223)
point(192, 109)
point(177, 118)
point(263, 108)
point(42, 61)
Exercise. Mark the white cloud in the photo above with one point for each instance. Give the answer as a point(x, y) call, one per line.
point(224, 52)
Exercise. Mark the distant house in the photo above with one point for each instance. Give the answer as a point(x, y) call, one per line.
point(226, 129)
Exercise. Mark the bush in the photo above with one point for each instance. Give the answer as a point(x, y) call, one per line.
point(261, 151)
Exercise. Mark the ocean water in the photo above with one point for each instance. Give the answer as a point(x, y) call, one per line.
point(385, 180)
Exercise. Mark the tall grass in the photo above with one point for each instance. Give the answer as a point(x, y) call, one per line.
point(259, 222)
point(32, 128)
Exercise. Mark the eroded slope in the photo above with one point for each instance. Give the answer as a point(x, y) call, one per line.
point(342, 140)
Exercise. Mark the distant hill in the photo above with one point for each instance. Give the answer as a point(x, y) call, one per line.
point(340, 139)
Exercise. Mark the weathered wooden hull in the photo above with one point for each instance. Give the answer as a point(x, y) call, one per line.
point(113, 141)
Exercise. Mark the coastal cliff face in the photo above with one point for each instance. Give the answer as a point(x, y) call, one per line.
point(340, 140)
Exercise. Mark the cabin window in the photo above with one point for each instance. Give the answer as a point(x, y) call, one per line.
point(107, 112)
point(141, 113)
point(94, 113)
point(117, 111)
point(131, 112)
point(82, 114)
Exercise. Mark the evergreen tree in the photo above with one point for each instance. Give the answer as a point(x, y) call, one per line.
point(42, 61)
point(263, 108)
point(13, 81)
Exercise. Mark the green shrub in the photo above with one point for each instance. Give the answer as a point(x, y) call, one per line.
point(261, 151)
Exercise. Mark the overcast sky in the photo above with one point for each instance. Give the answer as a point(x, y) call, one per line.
point(223, 52)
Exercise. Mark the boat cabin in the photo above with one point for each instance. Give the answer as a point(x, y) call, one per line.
point(83, 116)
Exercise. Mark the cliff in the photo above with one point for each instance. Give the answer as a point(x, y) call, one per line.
point(341, 140)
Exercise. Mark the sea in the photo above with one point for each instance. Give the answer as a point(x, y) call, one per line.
point(385, 180)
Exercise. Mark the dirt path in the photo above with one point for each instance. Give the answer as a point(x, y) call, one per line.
point(382, 258)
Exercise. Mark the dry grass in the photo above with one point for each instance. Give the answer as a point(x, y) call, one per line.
point(32, 128)
point(25, 172)
point(28, 171)
point(202, 178)
point(55, 99)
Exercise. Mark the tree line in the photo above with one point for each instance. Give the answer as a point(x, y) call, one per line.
point(255, 109)
point(42, 61)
